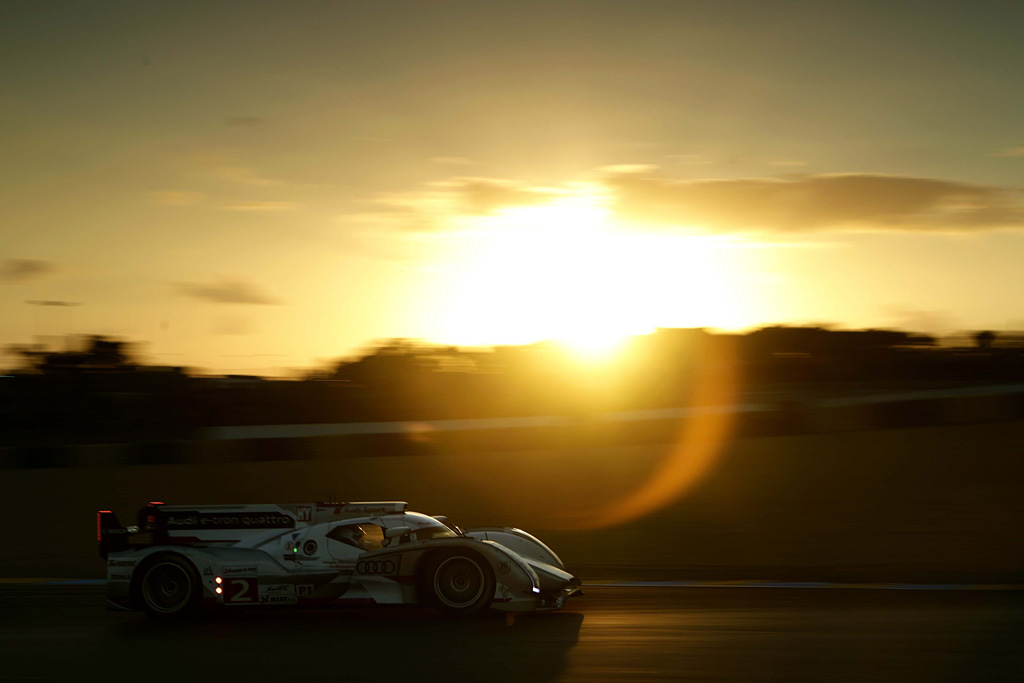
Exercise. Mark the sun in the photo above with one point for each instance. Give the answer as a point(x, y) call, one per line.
point(593, 344)
point(565, 271)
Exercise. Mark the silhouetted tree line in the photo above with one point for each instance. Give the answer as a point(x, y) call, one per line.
point(103, 393)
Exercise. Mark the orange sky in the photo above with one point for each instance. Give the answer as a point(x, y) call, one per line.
point(251, 187)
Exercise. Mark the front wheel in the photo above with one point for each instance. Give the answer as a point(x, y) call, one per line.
point(169, 588)
point(459, 583)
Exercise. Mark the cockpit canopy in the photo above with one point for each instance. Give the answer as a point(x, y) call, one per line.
point(390, 530)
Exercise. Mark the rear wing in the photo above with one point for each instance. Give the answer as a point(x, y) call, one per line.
point(111, 536)
point(114, 537)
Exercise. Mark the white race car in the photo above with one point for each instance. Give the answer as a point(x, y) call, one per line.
point(178, 558)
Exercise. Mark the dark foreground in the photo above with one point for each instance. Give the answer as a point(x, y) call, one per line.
point(612, 634)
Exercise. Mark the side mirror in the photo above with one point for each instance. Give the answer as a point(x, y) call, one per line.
point(397, 531)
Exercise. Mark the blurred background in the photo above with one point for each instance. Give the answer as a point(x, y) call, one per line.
point(695, 291)
point(786, 453)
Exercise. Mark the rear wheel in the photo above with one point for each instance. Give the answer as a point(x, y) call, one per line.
point(458, 583)
point(169, 588)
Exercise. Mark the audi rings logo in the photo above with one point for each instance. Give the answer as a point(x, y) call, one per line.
point(375, 567)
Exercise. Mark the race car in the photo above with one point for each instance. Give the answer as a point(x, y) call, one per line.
point(179, 558)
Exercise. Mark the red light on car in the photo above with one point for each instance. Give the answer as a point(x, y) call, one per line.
point(99, 523)
point(219, 590)
point(156, 503)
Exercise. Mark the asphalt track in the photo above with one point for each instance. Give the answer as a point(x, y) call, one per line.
point(63, 632)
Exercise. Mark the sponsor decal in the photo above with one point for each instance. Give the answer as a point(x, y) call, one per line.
point(119, 576)
point(239, 591)
point(278, 593)
point(375, 567)
point(305, 513)
point(289, 546)
point(504, 567)
point(247, 570)
point(207, 571)
point(277, 599)
point(309, 547)
point(122, 563)
point(371, 508)
point(504, 590)
point(279, 588)
point(340, 564)
point(302, 590)
point(193, 519)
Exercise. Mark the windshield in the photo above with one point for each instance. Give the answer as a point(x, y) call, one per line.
point(364, 536)
point(433, 532)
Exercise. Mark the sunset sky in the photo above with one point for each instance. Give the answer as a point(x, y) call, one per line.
point(244, 187)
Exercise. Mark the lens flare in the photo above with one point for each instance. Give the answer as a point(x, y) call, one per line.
point(691, 456)
point(587, 471)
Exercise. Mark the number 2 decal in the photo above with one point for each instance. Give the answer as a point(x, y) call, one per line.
point(240, 591)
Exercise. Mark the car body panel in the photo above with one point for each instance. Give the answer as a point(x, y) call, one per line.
point(520, 541)
point(328, 553)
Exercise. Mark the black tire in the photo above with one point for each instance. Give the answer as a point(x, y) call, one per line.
point(457, 582)
point(168, 588)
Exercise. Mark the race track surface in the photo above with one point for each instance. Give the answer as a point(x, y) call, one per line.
point(612, 634)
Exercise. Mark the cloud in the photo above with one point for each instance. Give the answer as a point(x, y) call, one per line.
point(473, 196)
point(225, 292)
point(261, 206)
point(244, 175)
point(814, 202)
point(225, 167)
point(485, 195)
point(628, 168)
point(24, 269)
point(407, 218)
point(641, 196)
point(442, 204)
point(1011, 152)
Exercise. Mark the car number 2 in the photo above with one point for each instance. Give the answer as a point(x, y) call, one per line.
point(240, 591)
